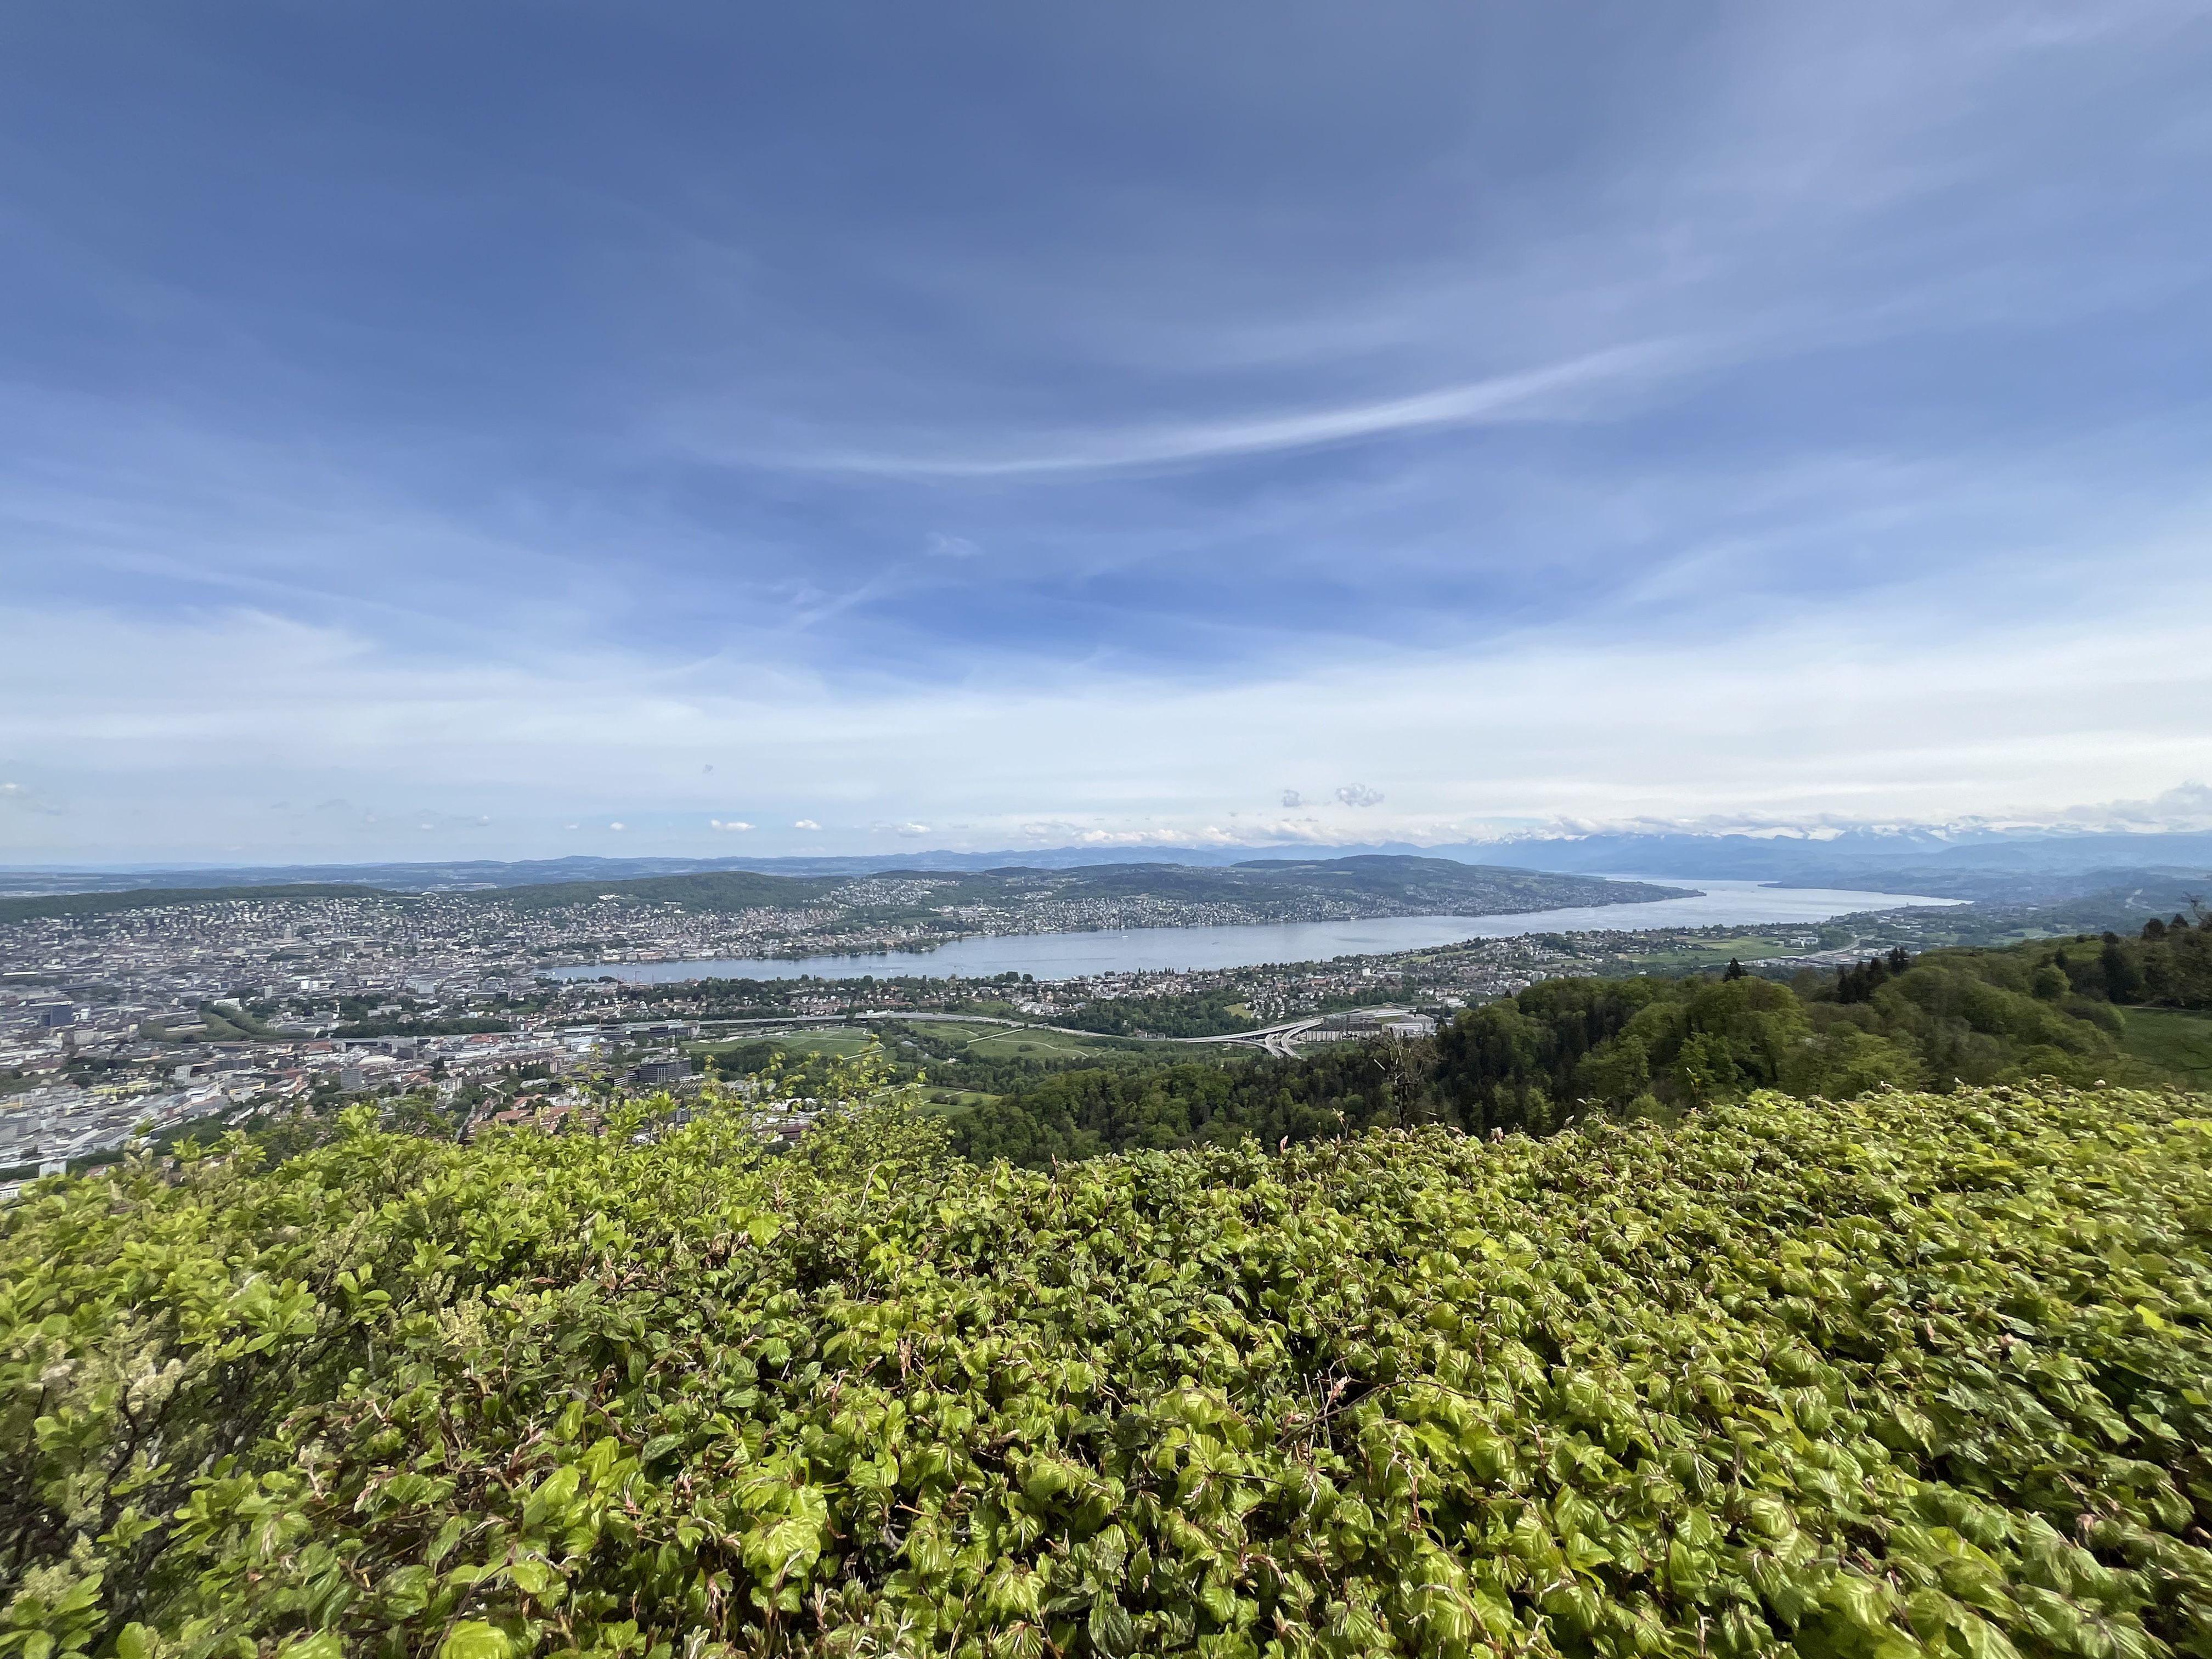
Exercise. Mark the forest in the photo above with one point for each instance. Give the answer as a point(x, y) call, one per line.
point(1649, 1048)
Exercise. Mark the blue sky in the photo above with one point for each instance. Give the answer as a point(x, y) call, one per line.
point(464, 430)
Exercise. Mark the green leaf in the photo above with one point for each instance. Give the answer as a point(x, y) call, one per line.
point(473, 1639)
point(1112, 1632)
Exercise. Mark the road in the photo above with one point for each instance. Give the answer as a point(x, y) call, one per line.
point(1278, 1039)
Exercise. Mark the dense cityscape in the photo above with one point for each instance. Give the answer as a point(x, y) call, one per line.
point(228, 1011)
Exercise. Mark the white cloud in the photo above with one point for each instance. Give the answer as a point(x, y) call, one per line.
point(1358, 795)
point(1291, 797)
point(1551, 391)
point(1799, 722)
point(736, 825)
point(2187, 807)
point(1045, 832)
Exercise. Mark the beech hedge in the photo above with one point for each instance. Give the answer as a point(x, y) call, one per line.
point(1911, 1375)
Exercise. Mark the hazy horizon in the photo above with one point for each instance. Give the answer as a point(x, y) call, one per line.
point(2150, 833)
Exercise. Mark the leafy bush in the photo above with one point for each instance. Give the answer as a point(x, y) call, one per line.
point(1909, 1375)
point(1203, 1013)
point(1564, 1048)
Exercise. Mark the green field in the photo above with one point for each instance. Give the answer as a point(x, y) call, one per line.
point(2176, 1040)
point(1715, 953)
point(843, 1040)
point(974, 1041)
point(836, 1040)
point(951, 1102)
point(996, 1042)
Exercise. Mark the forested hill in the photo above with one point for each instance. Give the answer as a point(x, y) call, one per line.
point(1909, 1377)
point(953, 902)
point(1361, 886)
point(1652, 1048)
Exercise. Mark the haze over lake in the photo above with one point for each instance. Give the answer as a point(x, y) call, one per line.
point(1072, 956)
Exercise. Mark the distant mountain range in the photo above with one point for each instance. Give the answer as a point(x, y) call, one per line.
point(2019, 866)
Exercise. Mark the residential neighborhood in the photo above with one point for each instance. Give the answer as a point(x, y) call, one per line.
point(231, 1012)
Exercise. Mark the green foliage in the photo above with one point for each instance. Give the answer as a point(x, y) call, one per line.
point(977, 1058)
point(1904, 1376)
point(234, 1024)
point(1209, 1013)
point(1082, 1114)
point(2168, 965)
point(1565, 1048)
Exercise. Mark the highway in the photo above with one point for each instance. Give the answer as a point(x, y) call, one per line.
point(1278, 1039)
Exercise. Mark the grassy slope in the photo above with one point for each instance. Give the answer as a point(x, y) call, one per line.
point(2178, 1042)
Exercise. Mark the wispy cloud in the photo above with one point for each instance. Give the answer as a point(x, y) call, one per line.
point(1554, 391)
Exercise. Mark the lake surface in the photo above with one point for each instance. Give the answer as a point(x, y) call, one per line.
point(1070, 955)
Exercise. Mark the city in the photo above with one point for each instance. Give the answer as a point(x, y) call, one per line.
point(236, 1011)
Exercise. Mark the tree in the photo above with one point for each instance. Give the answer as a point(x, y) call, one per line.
point(1617, 1072)
point(1705, 1070)
point(2123, 974)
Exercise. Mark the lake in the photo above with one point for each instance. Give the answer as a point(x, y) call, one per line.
point(1072, 956)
